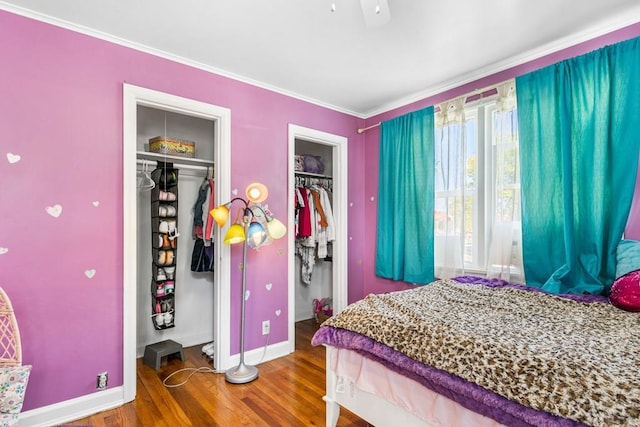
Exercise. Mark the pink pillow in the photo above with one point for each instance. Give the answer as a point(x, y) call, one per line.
point(625, 291)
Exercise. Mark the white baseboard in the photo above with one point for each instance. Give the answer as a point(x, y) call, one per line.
point(260, 355)
point(72, 409)
point(93, 403)
point(304, 315)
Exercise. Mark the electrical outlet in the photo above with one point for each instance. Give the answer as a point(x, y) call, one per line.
point(266, 327)
point(102, 380)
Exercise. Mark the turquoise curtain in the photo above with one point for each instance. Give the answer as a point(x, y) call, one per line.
point(404, 241)
point(579, 144)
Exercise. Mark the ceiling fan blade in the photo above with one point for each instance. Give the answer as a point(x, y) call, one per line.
point(376, 12)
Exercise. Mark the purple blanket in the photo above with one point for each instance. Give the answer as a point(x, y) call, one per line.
point(458, 389)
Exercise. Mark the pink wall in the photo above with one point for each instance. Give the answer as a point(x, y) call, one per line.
point(374, 284)
point(61, 113)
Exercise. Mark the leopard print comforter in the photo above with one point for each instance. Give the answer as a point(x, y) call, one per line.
point(575, 360)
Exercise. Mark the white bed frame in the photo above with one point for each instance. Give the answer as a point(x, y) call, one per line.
point(371, 408)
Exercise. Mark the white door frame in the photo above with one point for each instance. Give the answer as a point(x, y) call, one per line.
point(132, 97)
point(340, 176)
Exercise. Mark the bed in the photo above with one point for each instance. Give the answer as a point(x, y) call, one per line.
point(478, 352)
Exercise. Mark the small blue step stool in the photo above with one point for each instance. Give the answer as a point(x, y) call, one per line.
point(153, 353)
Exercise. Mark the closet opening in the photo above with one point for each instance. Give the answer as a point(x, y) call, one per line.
point(317, 256)
point(165, 299)
point(173, 301)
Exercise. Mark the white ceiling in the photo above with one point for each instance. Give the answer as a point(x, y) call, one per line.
point(303, 49)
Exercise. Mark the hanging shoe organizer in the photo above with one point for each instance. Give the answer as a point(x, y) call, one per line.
point(164, 234)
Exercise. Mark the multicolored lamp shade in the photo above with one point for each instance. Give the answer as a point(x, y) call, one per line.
point(235, 234)
point(220, 214)
point(276, 228)
point(256, 235)
point(257, 192)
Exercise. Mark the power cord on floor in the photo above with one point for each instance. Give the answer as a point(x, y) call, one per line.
point(206, 369)
point(203, 369)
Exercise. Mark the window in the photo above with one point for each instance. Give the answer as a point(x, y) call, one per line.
point(477, 187)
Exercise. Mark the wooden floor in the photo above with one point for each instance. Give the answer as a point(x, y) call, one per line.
point(288, 392)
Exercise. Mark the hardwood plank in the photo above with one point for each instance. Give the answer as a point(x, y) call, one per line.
point(288, 392)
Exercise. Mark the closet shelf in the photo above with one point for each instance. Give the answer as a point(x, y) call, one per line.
point(176, 160)
point(314, 175)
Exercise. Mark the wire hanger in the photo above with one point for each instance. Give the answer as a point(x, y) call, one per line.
point(144, 181)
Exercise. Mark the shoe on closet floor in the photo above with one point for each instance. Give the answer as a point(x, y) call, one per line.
point(208, 349)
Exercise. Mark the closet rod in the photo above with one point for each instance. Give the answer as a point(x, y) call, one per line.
point(175, 165)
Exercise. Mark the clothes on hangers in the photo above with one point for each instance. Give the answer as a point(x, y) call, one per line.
point(327, 234)
point(202, 256)
point(303, 213)
point(315, 225)
point(308, 257)
point(208, 230)
point(304, 181)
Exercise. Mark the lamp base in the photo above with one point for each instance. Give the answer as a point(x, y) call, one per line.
point(241, 374)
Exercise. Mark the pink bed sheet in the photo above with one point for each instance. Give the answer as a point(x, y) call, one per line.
point(372, 377)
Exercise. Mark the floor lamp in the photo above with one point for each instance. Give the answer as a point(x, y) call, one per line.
point(249, 233)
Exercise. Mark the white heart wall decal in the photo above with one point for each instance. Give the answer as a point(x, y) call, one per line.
point(278, 312)
point(90, 273)
point(234, 191)
point(13, 158)
point(247, 294)
point(268, 286)
point(96, 203)
point(54, 210)
point(4, 251)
